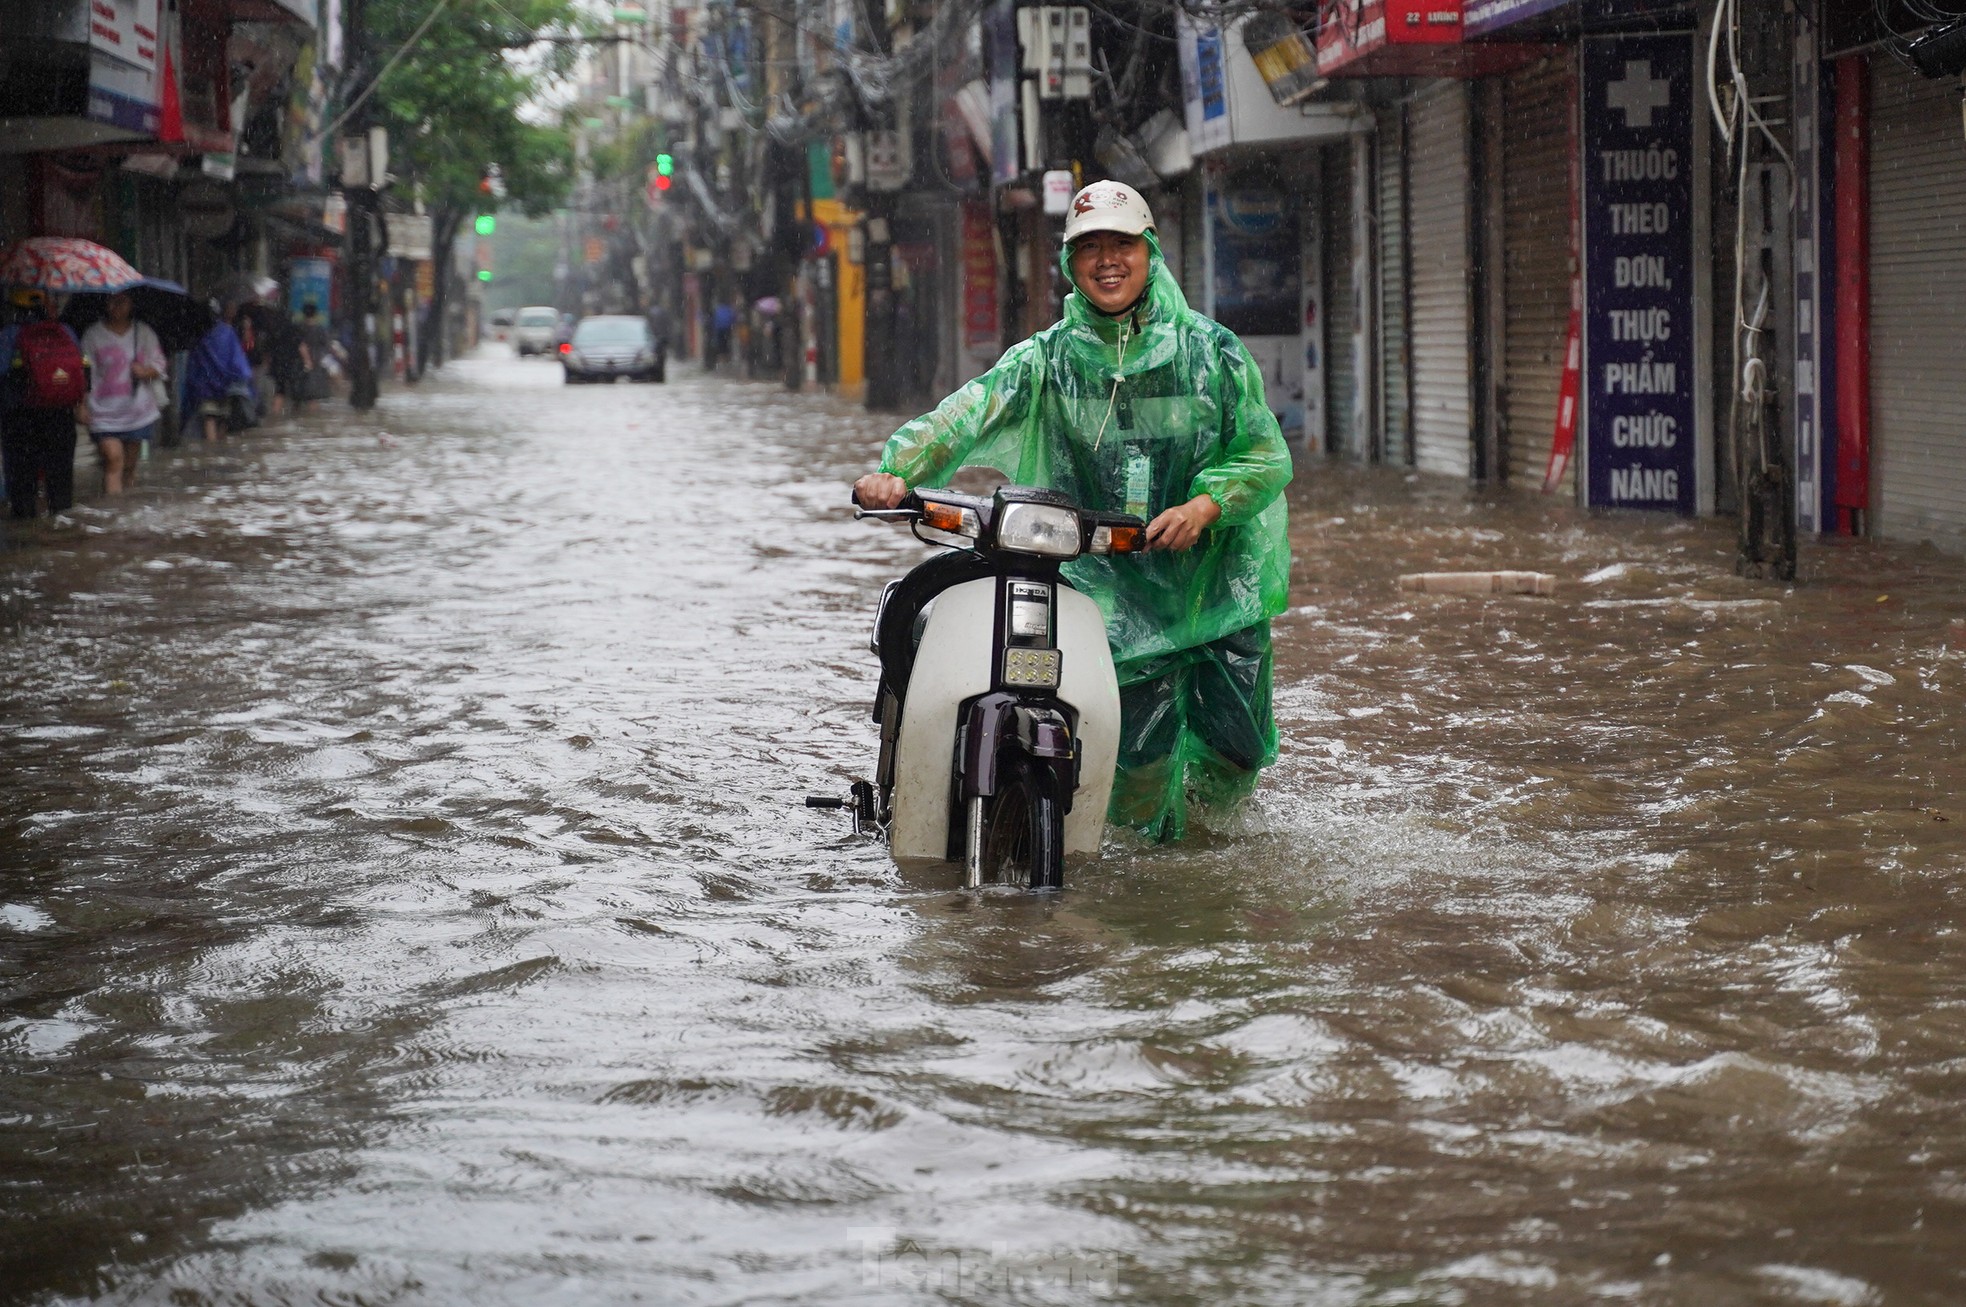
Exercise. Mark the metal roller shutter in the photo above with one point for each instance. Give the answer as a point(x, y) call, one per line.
point(1340, 310)
point(1395, 357)
point(1536, 272)
point(1917, 285)
point(1438, 202)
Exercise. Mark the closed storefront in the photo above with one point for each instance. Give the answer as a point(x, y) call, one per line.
point(1917, 288)
point(1440, 305)
point(1537, 263)
point(1395, 353)
point(1343, 431)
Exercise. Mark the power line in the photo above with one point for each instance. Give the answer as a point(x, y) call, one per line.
point(376, 81)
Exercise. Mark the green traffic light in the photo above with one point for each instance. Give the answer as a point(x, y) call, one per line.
point(487, 224)
point(664, 165)
point(484, 274)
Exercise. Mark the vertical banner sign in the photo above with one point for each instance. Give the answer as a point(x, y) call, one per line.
point(981, 333)
point(1640, 357)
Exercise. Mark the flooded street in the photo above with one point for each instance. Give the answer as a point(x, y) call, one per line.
point(406, 897)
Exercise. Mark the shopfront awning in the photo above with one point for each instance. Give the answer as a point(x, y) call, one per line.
point(1486, 16)
point(1408, 38)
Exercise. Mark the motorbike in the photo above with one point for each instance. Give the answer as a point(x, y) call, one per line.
point(997, 703)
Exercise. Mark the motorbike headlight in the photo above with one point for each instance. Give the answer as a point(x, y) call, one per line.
point(1042, 529)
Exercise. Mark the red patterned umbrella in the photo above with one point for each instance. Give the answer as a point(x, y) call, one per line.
point(64, 265)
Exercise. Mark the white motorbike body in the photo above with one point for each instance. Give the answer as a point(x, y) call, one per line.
point(953, 665)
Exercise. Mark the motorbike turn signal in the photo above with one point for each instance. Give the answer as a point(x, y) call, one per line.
point(943, 517)
point(1118, 539)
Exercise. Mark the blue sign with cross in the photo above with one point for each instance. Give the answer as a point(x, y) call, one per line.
point(1640, 327)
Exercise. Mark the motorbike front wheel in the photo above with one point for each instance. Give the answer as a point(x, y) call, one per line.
point(1024, 826)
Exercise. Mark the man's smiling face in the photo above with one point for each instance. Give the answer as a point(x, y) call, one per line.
point(1110, 269)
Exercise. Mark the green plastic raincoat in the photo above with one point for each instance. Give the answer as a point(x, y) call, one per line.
point(1189, 631)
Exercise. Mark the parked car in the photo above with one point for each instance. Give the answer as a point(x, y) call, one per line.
point(536, 327)
point(501, 324)
point(610, 346)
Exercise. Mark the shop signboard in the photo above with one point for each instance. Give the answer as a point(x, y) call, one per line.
point(1255, 265)
point(1202, 87)
point(1408, 38)
point(125, 30)
point(124, 64)
point(1641, 326)
point(1253, 241)
point(410, 235)
point(1228, 101)
point(982, 336)
point(308, 282)
point(1006, 134)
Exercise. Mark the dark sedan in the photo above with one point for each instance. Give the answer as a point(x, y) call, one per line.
point(611, 346)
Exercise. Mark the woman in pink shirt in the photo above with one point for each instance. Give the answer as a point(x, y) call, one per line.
point(124, 359)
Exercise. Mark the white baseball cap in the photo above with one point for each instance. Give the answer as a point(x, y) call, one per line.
point(1108, 206)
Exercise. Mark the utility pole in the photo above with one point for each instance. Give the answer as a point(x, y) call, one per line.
point(361, 202)
point(883, 380)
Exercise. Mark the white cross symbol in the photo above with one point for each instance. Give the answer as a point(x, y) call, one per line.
point(1638, 93)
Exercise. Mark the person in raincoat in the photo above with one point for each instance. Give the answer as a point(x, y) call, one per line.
point(1136, 403)
point(216, 371)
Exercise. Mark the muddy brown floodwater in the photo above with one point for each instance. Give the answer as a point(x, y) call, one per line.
point(405, 898)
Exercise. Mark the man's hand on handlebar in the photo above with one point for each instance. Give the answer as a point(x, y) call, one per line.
point(879, 490)
point(1179, 527)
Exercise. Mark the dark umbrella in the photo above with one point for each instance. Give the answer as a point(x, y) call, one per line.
point(179, 321)
point(247, 288)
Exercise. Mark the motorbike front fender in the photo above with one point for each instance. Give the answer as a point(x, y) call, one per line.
point(953, 665)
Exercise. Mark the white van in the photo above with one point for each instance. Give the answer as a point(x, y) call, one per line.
point(535, 330)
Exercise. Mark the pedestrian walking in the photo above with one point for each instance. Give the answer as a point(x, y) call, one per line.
point(282, 342)
point(315, 347)
point(215, 374)
point(722, 319)
point(41, 400)
point(249, 322)
point(126, 370)
point(1136, 403)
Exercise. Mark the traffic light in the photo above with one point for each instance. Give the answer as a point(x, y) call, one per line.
point(665, 165)
point(663, 181)
point(487, 224)
point(484, 274)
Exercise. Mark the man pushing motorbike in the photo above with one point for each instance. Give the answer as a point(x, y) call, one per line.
point(1136, 403)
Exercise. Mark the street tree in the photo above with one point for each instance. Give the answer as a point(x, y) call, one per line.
point(464, 110)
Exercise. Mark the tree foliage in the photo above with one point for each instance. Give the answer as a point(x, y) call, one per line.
point(465, 99)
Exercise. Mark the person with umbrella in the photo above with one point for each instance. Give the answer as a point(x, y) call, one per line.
point(124, 358)
point(41, 400)
point(46, 380)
